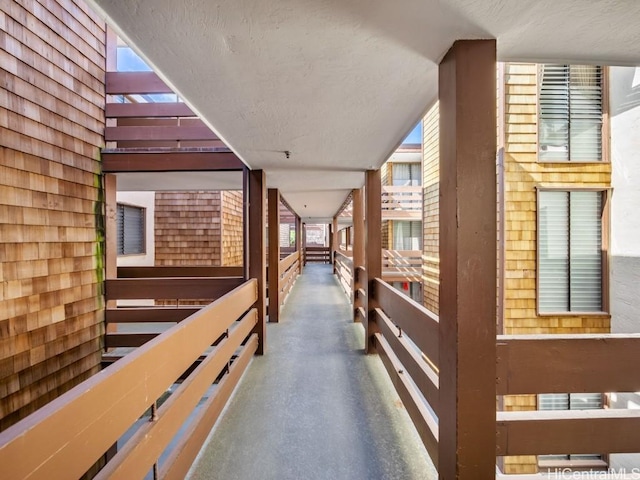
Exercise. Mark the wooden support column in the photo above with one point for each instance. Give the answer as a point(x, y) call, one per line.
point(256, 244)
point(111, 237)
point(273, 203)
point(299, 242)
point(335, 242)
point(348, 237)
point(359, 301)
point(467, 416)
point(373, 248)
point(303, 252)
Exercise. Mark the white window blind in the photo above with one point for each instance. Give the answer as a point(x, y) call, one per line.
point(407, 174)
point(407, 235)
point(570, 251)
point(570, 117)
point(130, 221)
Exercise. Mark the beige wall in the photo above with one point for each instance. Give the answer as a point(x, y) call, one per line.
point(51, 212)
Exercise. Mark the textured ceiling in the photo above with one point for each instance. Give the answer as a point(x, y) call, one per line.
point(339, 83)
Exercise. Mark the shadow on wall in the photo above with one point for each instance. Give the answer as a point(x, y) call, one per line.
point(625, 89)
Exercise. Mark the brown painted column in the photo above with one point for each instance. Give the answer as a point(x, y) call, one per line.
point(358, 253)
point(256, 249)
point(373, 248)
point(110, 237)
point(335, 242)
point(299, 242)
point(303, 238)
point(467, 92)
point(274, 254)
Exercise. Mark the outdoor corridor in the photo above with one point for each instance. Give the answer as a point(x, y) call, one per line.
point(314, 407)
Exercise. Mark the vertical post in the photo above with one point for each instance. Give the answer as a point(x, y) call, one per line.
point(303, 238)
point(358, 252)
point(373, 248)
point(335, 241)
point(299, 242)
point(348, 236)
point(273, 203)
point(110, 236)
point(467, 423)
point(255, 250)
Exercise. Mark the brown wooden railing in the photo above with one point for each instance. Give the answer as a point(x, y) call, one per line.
point(402, 203)
point(289, 269)
point(343, 266)
point(174, 286)
point(67, 436)
point(402, 265)
point(145, 122)
point(408, 346)
point(317, 255)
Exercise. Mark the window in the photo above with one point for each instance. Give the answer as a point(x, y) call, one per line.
point(570, 113)
point(411, 289)
point(406, 174)
point(130, 230)
point(570, 260)
point(407, 235)
point(570, 401)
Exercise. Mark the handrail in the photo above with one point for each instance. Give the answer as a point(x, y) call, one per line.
point(401, 201)
point(179, 271)
point(343, 266)
point(67, 436)
point(402, 265)
point(289, 269)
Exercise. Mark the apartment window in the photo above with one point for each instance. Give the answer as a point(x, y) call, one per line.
point(569, 401)
point(570, 113)
point(407, 235)
point(131, 233)
point(411, 289)
point(406, 174)
point(570, 260)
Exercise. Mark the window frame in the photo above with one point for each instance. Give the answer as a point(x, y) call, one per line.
point(605, 154)
point(604, 246)
point(143, 211)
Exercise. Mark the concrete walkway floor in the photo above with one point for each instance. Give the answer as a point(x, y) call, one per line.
point(314, 407)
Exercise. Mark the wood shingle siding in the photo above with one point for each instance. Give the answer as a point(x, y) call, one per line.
point(51, 131)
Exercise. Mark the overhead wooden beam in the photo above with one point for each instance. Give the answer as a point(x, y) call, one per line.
point(117, 161)
point(135, 110)
point(273, 204)
point(150, 133)
point(119, 83)
point(467, 415)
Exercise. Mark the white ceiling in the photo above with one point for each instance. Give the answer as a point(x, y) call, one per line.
point(339, 83)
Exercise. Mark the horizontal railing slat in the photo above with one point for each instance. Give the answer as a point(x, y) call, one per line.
point(148, 314)
point(568, 431)
point(143, 449)
point(158, 133)
point(422, 375)
point(92, 416)
point(118, 83)
point(121, 339)
point(177, 271)
point(184, 453)
point(287, 262)
point(421, 325)
point(568, 363)
point(184, 288)
point(423, 420)
point(152, 109)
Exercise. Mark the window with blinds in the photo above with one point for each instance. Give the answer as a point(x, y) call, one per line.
point(570, 251)
point(570, 113)
point(131, 234)
point(407, 235)
point(570, 401)
point(407, 174)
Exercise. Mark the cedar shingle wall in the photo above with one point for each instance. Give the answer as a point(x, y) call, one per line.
point(522, 174)
point(51, 130)
point(232, 231)
point(188, 228)
point(431, 216)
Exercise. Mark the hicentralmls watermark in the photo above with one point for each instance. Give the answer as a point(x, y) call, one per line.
point(610, 474)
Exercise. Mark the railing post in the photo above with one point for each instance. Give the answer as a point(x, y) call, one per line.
point(273, 217)
point(255, 244)
point(358, 252)
point(467, 419)
point(299, 243)
point(373, 248)
point(335, 242)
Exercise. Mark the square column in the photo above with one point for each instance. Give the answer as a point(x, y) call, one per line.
point(273, 203)
point(468, 243)
point(373, 248)
point(255, 258)
point(359, 279)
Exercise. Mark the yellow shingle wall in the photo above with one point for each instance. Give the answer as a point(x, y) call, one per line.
point(430, 192)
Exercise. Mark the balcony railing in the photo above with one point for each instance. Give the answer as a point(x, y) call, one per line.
point(402, 203)
point(69, 435)
point(402, 265)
